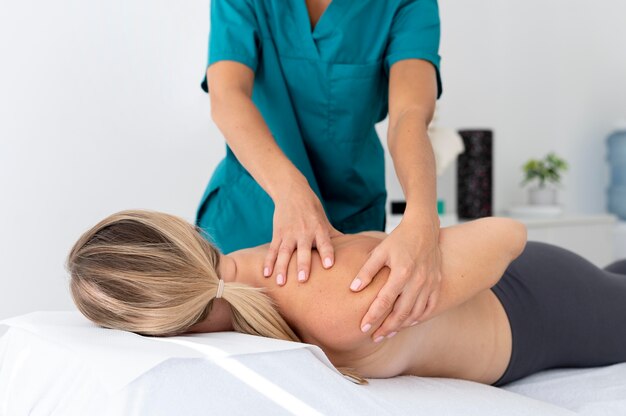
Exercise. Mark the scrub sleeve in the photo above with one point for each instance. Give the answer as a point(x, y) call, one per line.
point(415, 34)
point(234, 34)
point(320, 92)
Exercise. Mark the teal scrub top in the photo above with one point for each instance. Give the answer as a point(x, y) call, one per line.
point(320, 92)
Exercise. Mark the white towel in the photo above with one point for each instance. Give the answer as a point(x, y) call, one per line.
point(447, 145)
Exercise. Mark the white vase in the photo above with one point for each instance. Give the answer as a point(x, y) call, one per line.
point(542, 195)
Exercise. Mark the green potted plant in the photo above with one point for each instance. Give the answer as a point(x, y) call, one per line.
point(546, 175)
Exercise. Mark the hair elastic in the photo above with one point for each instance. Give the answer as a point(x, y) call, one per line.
point(220, 289)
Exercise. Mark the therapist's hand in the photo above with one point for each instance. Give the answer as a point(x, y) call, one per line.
point(412, 254)
point(300, 224)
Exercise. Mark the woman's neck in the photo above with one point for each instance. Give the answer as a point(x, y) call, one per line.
point(237, 267)
point(244, 266)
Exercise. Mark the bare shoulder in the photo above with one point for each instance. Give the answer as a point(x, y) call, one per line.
point(324, 311)
point(376, 234)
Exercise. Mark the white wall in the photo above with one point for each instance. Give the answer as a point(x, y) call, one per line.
point(544, 75)
point(101, 110)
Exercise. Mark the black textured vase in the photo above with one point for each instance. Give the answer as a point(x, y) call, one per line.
point(474, 175)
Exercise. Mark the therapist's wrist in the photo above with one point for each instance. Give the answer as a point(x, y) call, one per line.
point(288, 185)
point(422, 219)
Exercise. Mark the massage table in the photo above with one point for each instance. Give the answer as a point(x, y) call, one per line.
point(59, 363)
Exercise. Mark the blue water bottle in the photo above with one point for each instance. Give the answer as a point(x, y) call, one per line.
point(616, 148)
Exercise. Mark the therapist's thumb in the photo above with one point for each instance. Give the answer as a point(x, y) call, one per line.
point(365, 276)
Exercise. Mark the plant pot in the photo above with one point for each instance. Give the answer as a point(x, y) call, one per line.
point(542, 195)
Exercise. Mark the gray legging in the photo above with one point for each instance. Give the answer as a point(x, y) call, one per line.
point(563, 311)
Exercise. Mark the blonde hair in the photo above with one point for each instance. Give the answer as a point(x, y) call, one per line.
point(155, 274)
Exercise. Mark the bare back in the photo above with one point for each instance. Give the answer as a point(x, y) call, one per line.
point(470, 341)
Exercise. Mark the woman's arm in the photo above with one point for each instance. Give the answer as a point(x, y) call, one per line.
point(412, 97)
point(299, 218)
point(474, 257)
point(245, 130)
point(411, 251)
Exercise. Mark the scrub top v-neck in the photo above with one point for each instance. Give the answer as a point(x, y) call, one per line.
point(320, 92)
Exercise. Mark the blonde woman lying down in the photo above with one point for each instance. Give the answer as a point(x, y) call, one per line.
point(507, 308)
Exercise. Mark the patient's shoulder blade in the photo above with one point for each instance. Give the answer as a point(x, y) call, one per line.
point(324, 310)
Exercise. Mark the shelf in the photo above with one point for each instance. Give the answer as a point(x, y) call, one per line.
point(565, 220)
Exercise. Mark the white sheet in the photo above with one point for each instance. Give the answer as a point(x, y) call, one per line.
point(123, 356)
point(58, 363)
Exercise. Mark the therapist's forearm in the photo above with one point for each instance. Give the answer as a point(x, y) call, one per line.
point(251, 141)
point(414, 162)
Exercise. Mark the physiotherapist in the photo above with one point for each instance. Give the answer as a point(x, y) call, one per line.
point(296, 87)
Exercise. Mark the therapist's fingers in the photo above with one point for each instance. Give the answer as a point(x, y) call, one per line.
point(383, 303)
point(325, 249)
point(304, 260)
point(285, 251)
point(430, 305)
point(411, 300)
point(270, 257)
point(372, 266)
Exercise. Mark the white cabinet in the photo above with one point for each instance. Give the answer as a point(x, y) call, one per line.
point(591, 236)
